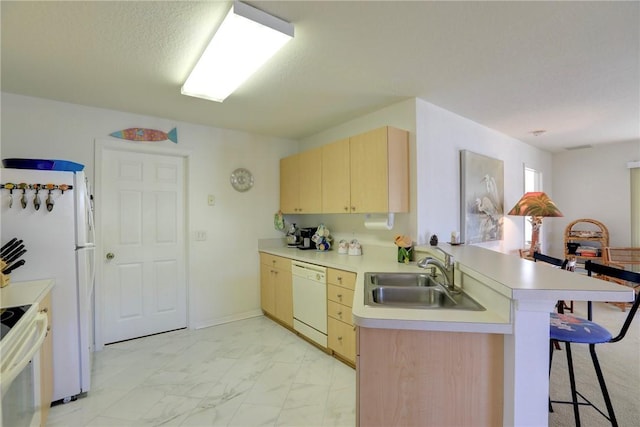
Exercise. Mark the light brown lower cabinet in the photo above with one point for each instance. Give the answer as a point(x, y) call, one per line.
point(276, 292)
point(341, 335)
point(426, 378)
point(341, 339)
point(46, 364)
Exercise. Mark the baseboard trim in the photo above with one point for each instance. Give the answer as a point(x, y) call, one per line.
point(228, 319)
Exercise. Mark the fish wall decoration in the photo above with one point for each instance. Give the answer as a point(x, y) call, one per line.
point(147, 135)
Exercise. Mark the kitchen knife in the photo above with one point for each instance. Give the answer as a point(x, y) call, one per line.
point(12, 267)
point(10, 249)
point(14, 257)
point(9, 243)
point(9, 246)
point(12, 253)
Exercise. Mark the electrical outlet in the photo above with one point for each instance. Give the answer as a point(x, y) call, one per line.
point(201, 235)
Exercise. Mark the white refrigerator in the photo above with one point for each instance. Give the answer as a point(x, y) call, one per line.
point(60, 245)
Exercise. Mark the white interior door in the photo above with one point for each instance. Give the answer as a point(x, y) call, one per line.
point(143, 271)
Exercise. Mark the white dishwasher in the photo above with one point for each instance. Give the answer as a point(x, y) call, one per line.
point(310, 301)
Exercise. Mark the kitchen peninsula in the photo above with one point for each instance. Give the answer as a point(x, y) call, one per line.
point(510, 337)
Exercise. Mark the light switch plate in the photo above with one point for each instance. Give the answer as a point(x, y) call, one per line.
point(201, 235)
point(211, 199)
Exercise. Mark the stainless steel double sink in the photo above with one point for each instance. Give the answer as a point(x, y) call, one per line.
point(414, 290)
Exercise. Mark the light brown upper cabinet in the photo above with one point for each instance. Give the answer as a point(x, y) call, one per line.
point(366, 173)
point(380, 171)
point(289, 184)
point(301, 182)
point(336, 180)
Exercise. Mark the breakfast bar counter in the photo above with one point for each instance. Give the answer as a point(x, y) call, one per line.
point(517, 295)
point(533, 290)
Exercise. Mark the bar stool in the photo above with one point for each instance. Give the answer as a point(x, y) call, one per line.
point(565, 264)
point(560, 305)
point(571, 329)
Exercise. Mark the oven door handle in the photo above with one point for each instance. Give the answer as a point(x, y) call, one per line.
point(14, 368)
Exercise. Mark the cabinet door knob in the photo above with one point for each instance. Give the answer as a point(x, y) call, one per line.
point(346, 208)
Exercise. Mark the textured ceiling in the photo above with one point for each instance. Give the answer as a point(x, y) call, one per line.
point(571, 68)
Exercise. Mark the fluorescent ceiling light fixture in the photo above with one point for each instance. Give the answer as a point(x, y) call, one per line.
point(247, 38)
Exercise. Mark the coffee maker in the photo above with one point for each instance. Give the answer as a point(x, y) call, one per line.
point(305, 238)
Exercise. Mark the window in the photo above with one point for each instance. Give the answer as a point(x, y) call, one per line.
point(532, 182)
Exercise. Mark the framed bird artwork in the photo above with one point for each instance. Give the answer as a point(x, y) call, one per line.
point(481, 198)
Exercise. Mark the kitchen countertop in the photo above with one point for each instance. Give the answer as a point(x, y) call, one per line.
point(379, 258)
point(510, 276)
point(22, 293)
point(17, 294)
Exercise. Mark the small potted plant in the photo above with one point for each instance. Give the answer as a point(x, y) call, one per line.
point(405, 248)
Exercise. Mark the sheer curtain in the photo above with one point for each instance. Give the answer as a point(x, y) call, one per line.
point(635, 203)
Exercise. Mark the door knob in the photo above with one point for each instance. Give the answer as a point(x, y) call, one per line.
point(110, 256)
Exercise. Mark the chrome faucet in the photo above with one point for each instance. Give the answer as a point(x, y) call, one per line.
point(448, 258)
point(446, 269)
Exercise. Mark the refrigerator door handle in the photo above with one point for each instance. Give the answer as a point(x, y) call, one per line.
point(85, 229)
point(90, 220)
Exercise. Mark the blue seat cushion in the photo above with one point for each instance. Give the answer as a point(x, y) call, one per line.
point(569, 328)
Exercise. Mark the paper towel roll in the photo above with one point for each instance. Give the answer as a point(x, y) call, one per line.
point(379, 223)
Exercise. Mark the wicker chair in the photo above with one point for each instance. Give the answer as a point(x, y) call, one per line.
point(525, 253)
point(571, 329)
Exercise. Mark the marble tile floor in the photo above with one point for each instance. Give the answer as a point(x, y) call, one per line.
point(255, 373)
point(246, 373)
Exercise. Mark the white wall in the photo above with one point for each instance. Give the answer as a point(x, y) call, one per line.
point(223, 270)
point(595, 183)
point(441, 135)
point(436, 138)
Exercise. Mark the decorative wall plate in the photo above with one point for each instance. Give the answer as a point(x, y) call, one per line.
point(241, 179)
